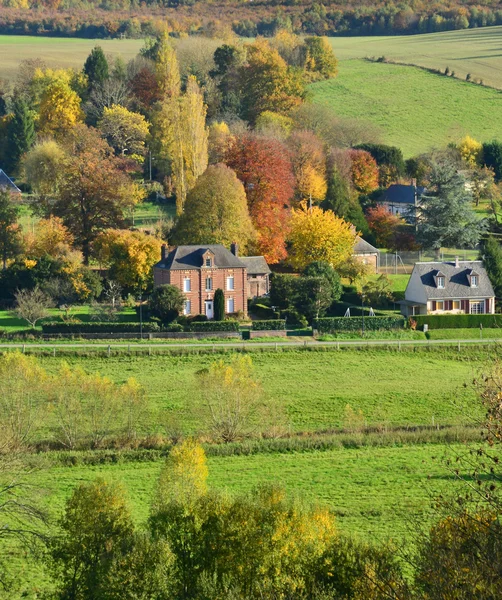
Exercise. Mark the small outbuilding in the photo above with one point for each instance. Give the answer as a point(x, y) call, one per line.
point(367, 254)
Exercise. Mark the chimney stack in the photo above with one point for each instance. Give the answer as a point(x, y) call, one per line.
point(457, 264)
point(163, 252)
point(234, 249)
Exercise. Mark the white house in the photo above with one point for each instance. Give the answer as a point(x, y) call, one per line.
point(448, 287)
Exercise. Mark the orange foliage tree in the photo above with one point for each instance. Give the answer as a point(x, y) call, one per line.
point(364, 171)
point(384, 225)
point(264, 167)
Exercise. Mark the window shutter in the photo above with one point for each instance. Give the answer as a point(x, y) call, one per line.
point(433, 305)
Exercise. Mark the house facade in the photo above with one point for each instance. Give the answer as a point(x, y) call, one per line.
point(448, 287)
point(367, 254)
point(198, 271)
point(402, 200)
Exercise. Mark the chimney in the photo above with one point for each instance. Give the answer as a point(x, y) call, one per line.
point(163, 252)
point(457, 264)
point(234, 248)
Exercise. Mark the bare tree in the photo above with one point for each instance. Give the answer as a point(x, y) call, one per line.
point(111, 91)
point(32, 305)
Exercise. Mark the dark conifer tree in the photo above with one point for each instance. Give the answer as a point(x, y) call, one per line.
point(96, 67)
point(20, 134)
point(219, 305)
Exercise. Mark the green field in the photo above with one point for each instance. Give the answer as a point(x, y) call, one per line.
point(474, 51)
point(413, 109)
point(314, 388)
point(58, 52)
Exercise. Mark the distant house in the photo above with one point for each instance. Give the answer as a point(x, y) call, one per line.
point(402, 200)
point(448, 287)
point(6, 183)
point(258, 275)
point(198, 271)
point(367, 254)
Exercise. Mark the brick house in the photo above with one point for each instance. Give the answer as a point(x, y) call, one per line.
point(198, 271)
point(448, 287)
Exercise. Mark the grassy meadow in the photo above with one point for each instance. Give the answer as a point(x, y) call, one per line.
point(412, 108)
point(474, 51)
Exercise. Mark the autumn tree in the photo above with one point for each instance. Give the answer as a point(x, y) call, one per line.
point(309, 165)
point(43, 167)
point(446, 217)
point(318, 235)
point(49, 238)
point(59, 110)
point(384, 225)
point(364, 171)
point(268, 83)
point(92, 193)
point(124, 130)
point(320, 60)
point(389, 159)
point(10, 233)
point(129, 255)
point(471, 151)
point(96, 527)
point(219, 141)
point(216, 211)
point(20, 133)
point(167, 72)
point(275, 125)
point(264, 167)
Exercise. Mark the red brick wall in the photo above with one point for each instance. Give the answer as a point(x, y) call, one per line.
point(198, 293)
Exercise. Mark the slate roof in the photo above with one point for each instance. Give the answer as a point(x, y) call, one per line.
point(363, 247)
point(7, 183)
point(456, 279)
point(256, 265)
point(398, 193)
point(190, 257)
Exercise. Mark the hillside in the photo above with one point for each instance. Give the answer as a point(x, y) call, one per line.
point(414, 109)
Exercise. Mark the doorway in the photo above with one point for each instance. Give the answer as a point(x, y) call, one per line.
point(209, 308)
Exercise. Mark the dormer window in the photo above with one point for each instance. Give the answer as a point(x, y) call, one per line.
point(474, 281)
point(440, 281)
point(208, 262)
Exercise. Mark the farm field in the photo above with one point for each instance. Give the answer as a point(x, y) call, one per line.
point(57, 52)
point(374, 492)
point(413, 109)
point(312, 389)
point(474, 51)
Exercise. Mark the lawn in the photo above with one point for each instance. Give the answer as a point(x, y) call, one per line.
point(414, 110)
point(375, 493)
point(58, 52)
point(465, 334)
point(312, 388)
point(474, 51)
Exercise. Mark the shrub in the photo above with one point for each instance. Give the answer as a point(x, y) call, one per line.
point(262, 311)
point(166, 303)
point(293, 317)
point(458, 321)
point(334, 324)
point(270, 325)
point(173, 327)
point(56, 327)
point(214, 326)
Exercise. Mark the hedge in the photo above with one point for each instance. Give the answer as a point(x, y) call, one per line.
point(459, 321)
point(269, 325)
point(56, 327)
point(203, 326)
point(334, 324)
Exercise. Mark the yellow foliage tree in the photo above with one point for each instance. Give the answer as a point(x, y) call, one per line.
point(167, 71)
point(318, 235)
point(124, 130)
point(219, 141)
point(130, 255)
point(49, 238)
point(471, 151)
point(59, 110)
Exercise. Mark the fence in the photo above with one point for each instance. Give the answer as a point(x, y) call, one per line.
point(395, 263)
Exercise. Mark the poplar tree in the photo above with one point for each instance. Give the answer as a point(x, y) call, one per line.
point(167, 71)
point(20, 134)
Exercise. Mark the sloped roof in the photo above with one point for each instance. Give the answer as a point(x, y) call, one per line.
point(456, 279)
point(256, 265)
point(398, 193)
point(7, 183)
point(190, 257)
point(363, 247)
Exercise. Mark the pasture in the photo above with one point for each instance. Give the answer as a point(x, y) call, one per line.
point(474, 51)
point(412, 108)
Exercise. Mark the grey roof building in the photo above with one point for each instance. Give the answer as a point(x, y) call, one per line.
point(402, 200)
point(456, 287)
point(7, 183)
point(258, 275)
point(367, 254)
point(190, 257)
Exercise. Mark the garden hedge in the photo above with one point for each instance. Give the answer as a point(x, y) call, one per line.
point(459, 321)
point(203, 326)
point(269, 325)
point(55, 327)
point(335, 324)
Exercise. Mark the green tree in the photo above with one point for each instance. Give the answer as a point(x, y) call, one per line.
point(338, 194)
point(492, 157)
point(10, 234)
point(446, 217)
point(492, 257)
point(166, 303)
point(216, 211)
point(95, 528)
point(282, 290)
point(96, 67)
point(324, 269)
point(20, 133)
point(219, 305)
point(313, 296)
